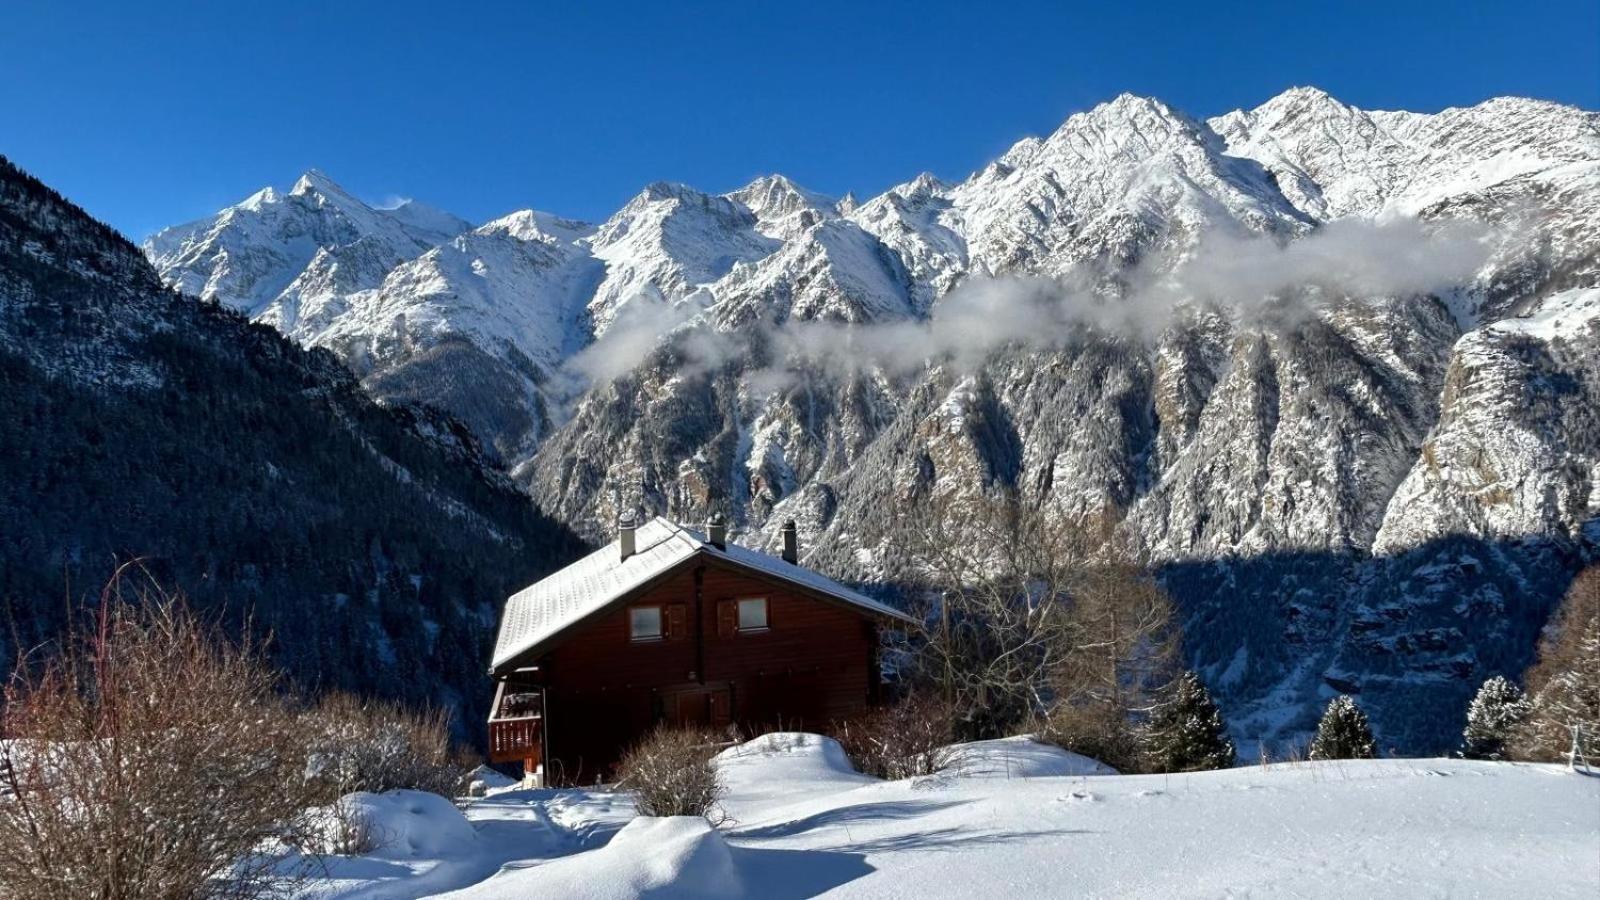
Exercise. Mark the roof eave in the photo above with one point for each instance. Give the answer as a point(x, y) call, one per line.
point(505, 665)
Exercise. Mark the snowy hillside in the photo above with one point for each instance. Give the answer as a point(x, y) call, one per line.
point(1017, 819)
point(1277, 351)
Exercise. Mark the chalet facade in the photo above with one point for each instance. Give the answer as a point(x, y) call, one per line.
point(667, 624)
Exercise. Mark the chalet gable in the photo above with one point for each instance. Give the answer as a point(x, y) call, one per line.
point(537, 616)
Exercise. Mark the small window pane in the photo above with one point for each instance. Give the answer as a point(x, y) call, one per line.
point(752, 614)
point(644, 623)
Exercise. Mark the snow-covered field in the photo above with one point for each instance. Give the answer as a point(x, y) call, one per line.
point(1015, 819)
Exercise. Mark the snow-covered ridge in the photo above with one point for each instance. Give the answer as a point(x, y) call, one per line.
point(396, 292)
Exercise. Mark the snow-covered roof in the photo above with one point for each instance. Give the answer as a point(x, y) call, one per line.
point(540, 611)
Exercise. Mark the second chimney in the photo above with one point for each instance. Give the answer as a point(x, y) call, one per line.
point(627, 525)
point(791, 543)
point(717, 532)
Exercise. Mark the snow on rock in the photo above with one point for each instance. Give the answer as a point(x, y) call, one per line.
point(247, 254)
point(1517, 449)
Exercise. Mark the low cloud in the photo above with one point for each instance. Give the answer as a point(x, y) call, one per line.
point(1355, 259)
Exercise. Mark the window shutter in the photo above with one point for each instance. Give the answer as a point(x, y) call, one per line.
point(727, 617)
point(677, 621)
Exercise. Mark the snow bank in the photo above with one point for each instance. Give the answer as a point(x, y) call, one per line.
point(678, 856)
point(1016, 818)
point(788, 762)
point(492, 782)
point(409, 824)
point(1021, 757)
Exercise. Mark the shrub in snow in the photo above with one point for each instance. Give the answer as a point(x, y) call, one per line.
point(1344, 732)
point(150, 757)
point(377, 746)
point(1098, 730)
point(1496, 711)
point(902, 740)
point(1185, 733)
point(1563, 719)
point(670, 773)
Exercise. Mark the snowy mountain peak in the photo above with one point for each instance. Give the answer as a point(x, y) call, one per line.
point(248, 255)
point(776, 194)
point(924, 185)
point(263, 197)
point(315, 182)
point(1304, 96)
point(532, 225)
point(783, 208)
point(657, 191)
point(1126, 109)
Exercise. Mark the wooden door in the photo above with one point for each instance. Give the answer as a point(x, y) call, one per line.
point(704, 708)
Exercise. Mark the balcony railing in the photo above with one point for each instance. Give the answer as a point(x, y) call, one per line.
point(514, 739)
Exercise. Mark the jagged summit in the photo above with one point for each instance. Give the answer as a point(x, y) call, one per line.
point(314, 181)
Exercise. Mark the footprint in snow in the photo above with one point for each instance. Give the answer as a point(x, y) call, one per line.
point(1079, 797)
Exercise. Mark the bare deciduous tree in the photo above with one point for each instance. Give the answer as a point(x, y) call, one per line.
point(150, 757)
point(1024, 616)
point(1563, 687)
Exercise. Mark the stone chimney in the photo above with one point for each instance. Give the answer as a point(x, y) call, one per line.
point(627, 526)
point(717, 531)
point(791, 543)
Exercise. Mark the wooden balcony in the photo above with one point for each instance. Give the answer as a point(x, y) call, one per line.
point(516, 725)
point(515, 739)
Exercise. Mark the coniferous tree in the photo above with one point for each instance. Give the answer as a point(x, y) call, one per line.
point(1344, 732)
point(1186, 733)
point(1494, 715)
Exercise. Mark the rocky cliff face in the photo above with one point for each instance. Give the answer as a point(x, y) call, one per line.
point(1332, 370)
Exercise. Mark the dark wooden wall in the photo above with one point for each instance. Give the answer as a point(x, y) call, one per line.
point(814, 664)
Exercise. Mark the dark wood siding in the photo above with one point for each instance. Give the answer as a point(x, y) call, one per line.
point(813, 664)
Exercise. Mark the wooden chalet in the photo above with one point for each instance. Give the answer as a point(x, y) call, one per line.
point(666, 624)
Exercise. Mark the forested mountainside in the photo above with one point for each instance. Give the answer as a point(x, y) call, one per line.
point(373, 544)
point(1332, 370)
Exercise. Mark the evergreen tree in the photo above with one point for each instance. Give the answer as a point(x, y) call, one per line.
point(1563, 719)
point(1186, 732)
point(1494, 715)
point(1344, 732)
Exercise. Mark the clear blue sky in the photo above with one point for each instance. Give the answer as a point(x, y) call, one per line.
point(153, 112)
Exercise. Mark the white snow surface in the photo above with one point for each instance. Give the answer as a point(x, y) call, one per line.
point(1014, 819)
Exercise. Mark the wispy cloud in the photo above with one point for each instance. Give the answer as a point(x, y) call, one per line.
point(1346, 259)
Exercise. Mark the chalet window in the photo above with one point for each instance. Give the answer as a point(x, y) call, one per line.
point(644, 623)
point(753, 614)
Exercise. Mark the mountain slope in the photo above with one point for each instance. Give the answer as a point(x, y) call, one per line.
point(373, 544)
point(1279, 353)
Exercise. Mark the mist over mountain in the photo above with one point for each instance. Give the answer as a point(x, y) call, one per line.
point(1332, 371)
